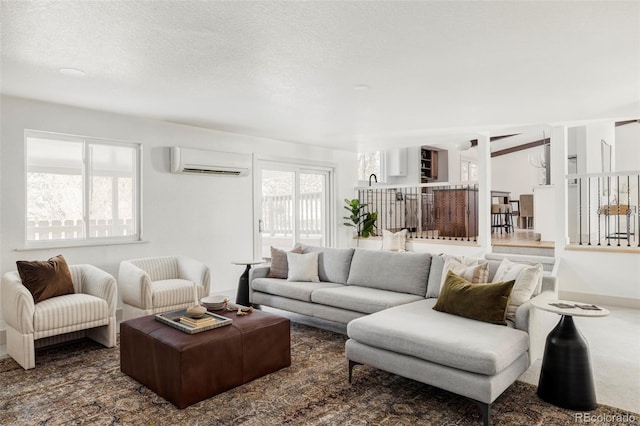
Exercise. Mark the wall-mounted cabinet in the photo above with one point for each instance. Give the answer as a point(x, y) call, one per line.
point(396, 160)
point(428, 165)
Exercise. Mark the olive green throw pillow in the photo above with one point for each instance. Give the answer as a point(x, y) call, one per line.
point(482, 302)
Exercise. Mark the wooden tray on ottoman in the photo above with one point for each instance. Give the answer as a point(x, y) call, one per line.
point(173, 319)
point(188, 368)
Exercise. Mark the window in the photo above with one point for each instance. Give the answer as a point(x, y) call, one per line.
point(293, 205)
point(81, 189)
point(368, 163)
point(468, 171)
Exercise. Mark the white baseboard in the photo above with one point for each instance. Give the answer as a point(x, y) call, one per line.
point(599, 299)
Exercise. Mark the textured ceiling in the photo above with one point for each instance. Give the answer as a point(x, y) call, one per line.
point(287, 70)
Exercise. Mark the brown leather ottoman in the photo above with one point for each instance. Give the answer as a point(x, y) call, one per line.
point(187, 368)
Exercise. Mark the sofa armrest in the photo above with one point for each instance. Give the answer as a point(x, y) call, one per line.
point(194, 271)
point(537, 323)
point(99, 283)
point(549, 285)
point(135, 286)
point(258, 272)
point(18, 306)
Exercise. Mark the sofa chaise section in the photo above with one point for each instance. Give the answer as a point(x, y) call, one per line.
point(471, 358)
point(417, 330)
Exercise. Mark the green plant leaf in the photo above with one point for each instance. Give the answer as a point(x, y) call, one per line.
point(364, 222)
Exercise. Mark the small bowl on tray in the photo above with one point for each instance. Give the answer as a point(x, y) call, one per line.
point(214, 303)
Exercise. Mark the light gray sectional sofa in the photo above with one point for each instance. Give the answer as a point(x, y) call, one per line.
point(386, 300)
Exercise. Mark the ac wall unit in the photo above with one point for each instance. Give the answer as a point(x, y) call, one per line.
point(205, 162)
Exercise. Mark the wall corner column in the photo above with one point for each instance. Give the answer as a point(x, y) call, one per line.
point(484, 191)
point(559, 169)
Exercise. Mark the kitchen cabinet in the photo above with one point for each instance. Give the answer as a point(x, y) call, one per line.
point(428, 165)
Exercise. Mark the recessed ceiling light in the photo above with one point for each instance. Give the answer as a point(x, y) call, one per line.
point(361, 87)
point(72, 72)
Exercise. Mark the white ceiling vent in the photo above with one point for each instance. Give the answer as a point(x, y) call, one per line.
point(204, 162)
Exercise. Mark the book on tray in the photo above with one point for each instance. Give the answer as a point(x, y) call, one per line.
point(197, 322)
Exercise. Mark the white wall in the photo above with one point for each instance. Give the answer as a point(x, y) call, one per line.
point(598, 273)
point(600, 276)
point(627, 153)
point(204, 217)
point(454, 157)
point(595, 134)
point(412, 167)
point(513, 172)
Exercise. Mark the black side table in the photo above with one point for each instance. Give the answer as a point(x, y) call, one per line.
point(566, 379)
point(242, 295)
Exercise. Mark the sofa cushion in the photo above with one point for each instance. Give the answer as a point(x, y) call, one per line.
point(303, 267)
point(387, 270)
point(158, 268)
point(435, 275)
point(291, 289)
point(457, 262)
point(68, 311)
point(279, 266)
point(46, 279)
point(527, 279)
point(482, 302)
point(394, 241)
point(470, 268)
point(173, 292)
point(333, 263)
point(361, 299)
point(415, 329)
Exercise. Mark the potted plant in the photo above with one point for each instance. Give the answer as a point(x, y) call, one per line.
point(364, 222)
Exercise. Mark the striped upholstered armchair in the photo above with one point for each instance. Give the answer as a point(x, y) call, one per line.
point(160, 284)
point(90, 311)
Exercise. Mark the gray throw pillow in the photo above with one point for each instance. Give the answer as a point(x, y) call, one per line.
point(333, 263)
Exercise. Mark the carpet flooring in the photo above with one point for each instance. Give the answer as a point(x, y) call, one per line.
point(81, 383)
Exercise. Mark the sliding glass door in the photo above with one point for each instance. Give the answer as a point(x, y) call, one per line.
point(292, 205)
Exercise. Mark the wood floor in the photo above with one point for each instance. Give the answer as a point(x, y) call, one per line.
point(519, 238)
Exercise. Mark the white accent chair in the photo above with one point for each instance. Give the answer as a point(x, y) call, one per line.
point(90, 312)
point(160, 284)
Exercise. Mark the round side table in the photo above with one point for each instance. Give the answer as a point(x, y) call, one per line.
point(242, 295)
point(566, 379)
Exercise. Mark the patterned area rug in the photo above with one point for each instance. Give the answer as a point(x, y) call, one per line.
point(81, 383)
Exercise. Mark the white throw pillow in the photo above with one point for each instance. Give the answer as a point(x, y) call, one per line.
point(527, 277)
point(394, 241)
point(303, 267)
